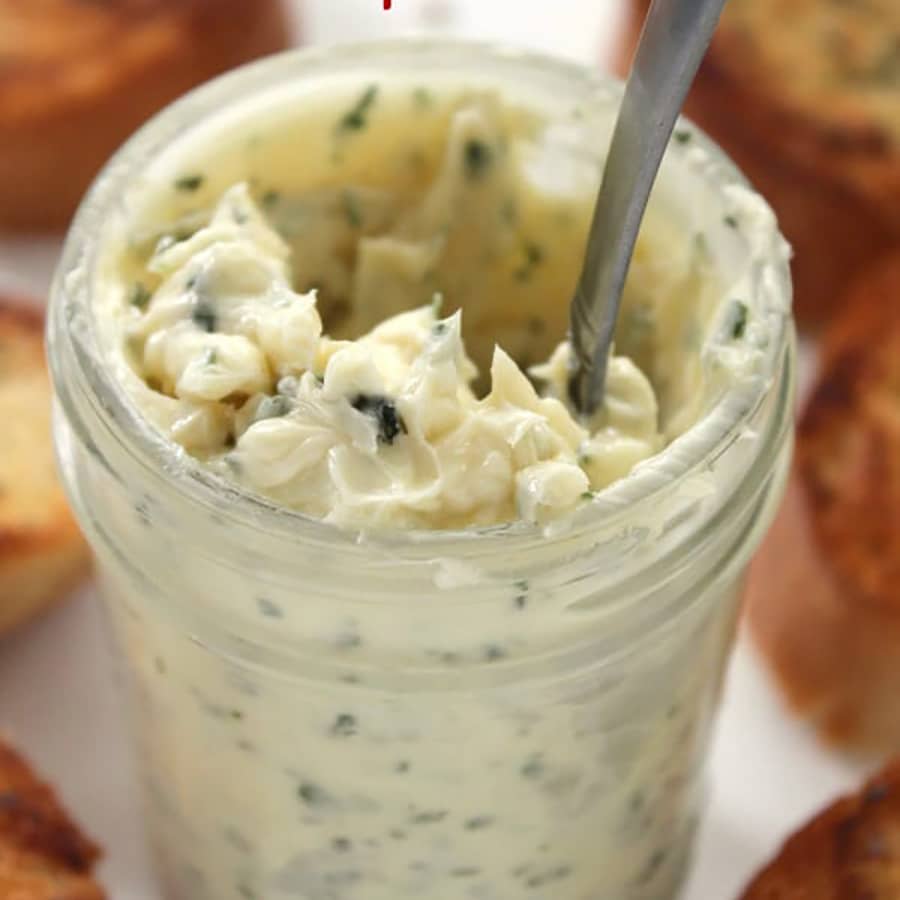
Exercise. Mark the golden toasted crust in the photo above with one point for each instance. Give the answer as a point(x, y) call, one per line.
point(805, 96)
point(77, 77)
point(43, 855)
point(42, 554)
point(851, 851)
point(824, 594)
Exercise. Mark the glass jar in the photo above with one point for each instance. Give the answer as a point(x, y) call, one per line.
point(491, 713)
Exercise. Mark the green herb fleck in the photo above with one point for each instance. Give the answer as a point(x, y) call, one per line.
point(732, 222)
point(429, 817)
point(508, 211)
point(479, 822)
point(465, 872)
point(159, 664)
point(270, 199)
point(237, 715)
point(210, 357)
point(557, 874)
point(534, 256)
point(494, 652)
point(342, 845)
point(738, 319)
point(356, 118)
point(269, 609)
point(587, 495)
point(140, 295)
point(652, 866)
point(389, 422)
point(204, 316)
point(422, 98)
point(189, 183)
point(683, 136)
point(402, 767)
point(477, 158)
point(351, 209)
point(344, 725)
point(533, 768)
point(311, 794)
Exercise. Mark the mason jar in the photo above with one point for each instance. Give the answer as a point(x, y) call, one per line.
point(489, 713)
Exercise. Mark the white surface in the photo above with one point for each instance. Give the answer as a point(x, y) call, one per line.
point(58, 699)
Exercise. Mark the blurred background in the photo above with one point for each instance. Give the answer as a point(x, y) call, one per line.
point(805, 94)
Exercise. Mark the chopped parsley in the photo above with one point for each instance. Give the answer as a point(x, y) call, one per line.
point(737, 320)
point(311, 794)
point(189, 183)
point(270, 198)
point(682, 136)
point(356, 118)
point(508, 211)
point(429, 817)
point(269, 609)
point(204, 316)
point(422, 98)
point(351, 209)
point(477, 158)
point(140, 295)
point(533, 257)
point(731, 222)
point(520, 601)
point(344, 725)
point(388, 420)
point(210, 357)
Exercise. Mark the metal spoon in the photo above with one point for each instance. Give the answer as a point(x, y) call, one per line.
point(674, 40)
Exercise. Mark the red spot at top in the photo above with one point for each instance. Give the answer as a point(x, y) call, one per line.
point(387, 4)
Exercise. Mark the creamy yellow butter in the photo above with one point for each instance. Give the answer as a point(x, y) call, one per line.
point(386, 429)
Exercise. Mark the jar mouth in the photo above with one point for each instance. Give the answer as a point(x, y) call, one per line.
point(693, 451)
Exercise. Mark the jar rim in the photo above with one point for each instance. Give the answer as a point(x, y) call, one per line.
point(71, 307)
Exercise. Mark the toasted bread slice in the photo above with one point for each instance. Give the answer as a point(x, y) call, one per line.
point(805, 97)
point(851, 851)
point(77, 78)
point(43, 855)
point(824, 593)
point(42, 554)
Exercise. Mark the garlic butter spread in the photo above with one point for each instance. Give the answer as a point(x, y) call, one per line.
point(349, 294)
point(225, 298)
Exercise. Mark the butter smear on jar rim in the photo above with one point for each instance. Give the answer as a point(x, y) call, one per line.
point(429, 222)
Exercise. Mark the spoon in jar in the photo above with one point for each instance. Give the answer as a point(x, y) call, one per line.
point(675, 38)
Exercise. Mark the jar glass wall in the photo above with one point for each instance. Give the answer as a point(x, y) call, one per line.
point(487, 713)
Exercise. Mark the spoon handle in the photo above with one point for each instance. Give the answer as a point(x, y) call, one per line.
point(676, 35)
